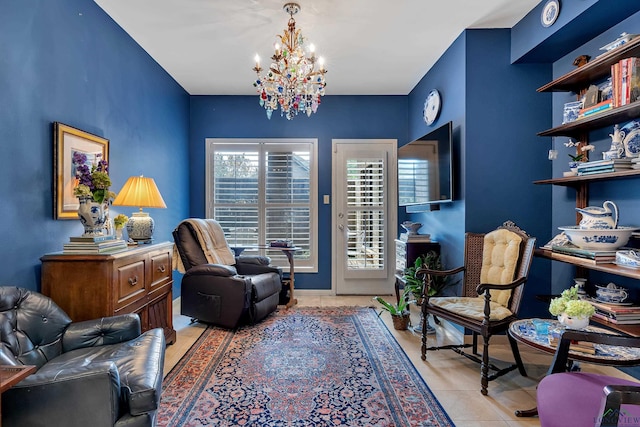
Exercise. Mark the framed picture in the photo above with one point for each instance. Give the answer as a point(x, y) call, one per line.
point(68, 141)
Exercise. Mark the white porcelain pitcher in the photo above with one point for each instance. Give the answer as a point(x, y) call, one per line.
point(604, 217)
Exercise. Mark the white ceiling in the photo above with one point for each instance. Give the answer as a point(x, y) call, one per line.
point(371, 47)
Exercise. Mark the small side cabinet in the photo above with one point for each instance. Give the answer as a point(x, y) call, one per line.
point(137, 280)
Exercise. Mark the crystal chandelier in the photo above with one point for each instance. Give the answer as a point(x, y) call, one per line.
point(292, 82)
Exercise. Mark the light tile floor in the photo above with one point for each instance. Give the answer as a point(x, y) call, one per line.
point(453, 379)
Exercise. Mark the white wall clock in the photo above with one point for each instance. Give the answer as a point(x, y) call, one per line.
point(432, 107)
point(550, 13)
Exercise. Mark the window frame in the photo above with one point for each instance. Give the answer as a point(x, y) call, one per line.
point(309, 265)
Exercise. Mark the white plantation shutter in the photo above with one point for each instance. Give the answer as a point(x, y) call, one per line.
point(262, 191)
point(365, 214)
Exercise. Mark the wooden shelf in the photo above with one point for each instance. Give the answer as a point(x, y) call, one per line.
point(607, 268)
point(577, 128)
point(574, 181)
point(598, 68)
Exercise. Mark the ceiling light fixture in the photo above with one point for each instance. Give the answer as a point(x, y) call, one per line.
point(292, 83)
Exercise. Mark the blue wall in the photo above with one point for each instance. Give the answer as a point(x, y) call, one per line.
point(349, 117)
point(496, 115)
point(67, 61)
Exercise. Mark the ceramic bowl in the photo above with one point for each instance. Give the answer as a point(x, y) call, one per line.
point(598, 240)
point(628, 259)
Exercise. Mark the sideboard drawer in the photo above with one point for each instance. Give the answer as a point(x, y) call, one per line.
point(160, 269)
point(130, 283)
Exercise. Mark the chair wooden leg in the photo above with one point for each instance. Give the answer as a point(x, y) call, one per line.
point(424, 331)
point(484, 367)
point(474, 348)
point(516, 355)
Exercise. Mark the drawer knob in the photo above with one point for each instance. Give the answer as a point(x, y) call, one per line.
point(162, 268)
point(133, 280)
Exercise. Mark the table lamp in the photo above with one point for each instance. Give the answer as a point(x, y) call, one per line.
point(142, 192)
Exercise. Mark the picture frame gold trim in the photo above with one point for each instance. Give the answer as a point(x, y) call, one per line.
point(66, 141)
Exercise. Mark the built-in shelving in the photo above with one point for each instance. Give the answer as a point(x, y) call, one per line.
point(597, 69)
point(576, 81)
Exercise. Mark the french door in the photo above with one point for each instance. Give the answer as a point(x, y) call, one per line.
point(364, 216)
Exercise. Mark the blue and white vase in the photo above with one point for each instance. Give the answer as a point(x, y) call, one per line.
point(93, 216)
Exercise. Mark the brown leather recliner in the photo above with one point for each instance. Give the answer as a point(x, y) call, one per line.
point(218, 287)
point(98, 373)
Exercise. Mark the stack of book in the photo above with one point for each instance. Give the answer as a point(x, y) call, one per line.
point(595, 109)
point(581, 346)
point(616, 313)
point(406, 237)
point(625, 81)
point(588, 255)
point(94, 245)
point(603, 166)
point(635, 163)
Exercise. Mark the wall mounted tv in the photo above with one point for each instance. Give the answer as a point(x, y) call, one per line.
point(425, 171)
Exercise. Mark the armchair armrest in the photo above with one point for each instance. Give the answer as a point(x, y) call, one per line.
point(53, 395)
point(212, 270)
point(616, 395)
point(103, 331)
point(426, 273)
point(482, 287)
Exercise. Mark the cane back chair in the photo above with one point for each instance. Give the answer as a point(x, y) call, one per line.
point(496, 266)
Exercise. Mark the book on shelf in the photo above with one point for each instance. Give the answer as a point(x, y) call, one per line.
point(576, 259)
point(589, 254)
point(625, 81)
point(595, 109)
point(92, 239)
point(615, 317)
point(615, 309)
point(607, 319)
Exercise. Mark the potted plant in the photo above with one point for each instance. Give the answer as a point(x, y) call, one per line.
point(120, 221)
point(571, 311)
point(400, 311)
point(573, 164)
point(432, 261)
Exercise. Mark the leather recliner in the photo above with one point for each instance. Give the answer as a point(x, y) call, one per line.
point(226, 293)
point(98, 373)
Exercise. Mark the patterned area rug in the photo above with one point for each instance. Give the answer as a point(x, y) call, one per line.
point(299, 367)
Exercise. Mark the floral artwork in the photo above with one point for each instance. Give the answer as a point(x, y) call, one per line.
point(76, 153)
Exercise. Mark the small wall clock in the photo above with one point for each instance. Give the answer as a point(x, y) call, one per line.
point(432, 107)
point(550, 13)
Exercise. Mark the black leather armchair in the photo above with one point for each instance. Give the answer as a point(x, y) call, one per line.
point(218, 287)
point(96, 373)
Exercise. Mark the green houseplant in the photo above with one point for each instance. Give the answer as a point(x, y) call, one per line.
point(400, 311)
point(432, 261)
point(572, 311)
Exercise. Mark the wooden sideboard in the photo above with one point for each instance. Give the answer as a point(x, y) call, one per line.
point(136, 280)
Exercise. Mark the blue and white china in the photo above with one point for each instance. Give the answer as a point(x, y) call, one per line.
point(604, 217)
point(598, 239)
point(616, 151)
point(631, 138)
point(611, 293)
point(629, 258)
point(93, 216)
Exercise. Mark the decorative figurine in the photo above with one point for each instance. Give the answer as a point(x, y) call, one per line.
point(581, 60)
point(616, 151)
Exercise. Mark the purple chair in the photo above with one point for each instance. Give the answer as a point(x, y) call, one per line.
point(580, 399)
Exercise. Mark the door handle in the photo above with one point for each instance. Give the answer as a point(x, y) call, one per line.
point(341, 227)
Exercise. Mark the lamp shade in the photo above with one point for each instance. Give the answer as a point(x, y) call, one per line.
point(140, 191)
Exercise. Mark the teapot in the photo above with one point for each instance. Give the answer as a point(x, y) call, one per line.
point(611, 293)
point(604, 217)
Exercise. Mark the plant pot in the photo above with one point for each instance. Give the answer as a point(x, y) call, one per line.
point(400, 321)
point(573, 322)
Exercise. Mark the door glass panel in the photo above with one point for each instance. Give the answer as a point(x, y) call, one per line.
point(365, 215)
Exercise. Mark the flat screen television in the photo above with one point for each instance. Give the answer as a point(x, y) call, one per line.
point(425, 169)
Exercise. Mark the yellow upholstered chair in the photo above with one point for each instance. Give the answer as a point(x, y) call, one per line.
point(496, 266)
